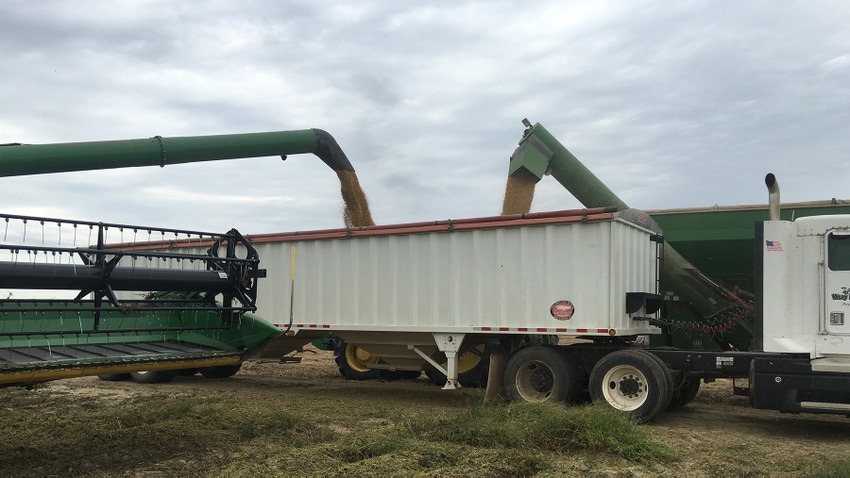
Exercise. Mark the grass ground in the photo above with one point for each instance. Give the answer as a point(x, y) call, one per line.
point(306, 420)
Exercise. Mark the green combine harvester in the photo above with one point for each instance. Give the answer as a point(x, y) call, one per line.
point(85, 298)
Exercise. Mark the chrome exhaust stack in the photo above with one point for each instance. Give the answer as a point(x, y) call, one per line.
point(773, 196)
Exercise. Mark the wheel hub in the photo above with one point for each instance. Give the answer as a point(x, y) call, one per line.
point(541, 379)
point(629, 386)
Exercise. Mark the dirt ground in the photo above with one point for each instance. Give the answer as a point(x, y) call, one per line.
point(717, 434)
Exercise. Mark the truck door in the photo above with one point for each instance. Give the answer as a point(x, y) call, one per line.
point(837, 300)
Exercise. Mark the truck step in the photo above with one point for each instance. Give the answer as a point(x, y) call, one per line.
point(825, 406)
point(831, 364)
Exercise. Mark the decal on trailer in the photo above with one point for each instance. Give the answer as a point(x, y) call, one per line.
point(562, 310)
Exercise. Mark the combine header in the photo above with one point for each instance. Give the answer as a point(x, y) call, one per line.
point(99, 309)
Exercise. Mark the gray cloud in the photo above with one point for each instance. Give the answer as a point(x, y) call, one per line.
point(672, 105)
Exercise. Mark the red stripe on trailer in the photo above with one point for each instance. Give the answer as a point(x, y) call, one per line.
point(562, 330)
point(522, 329)
point(602, 331)
point(581, 331)
point(542, 329)
point(504, 329)
point(514, 220)
point(485, 329)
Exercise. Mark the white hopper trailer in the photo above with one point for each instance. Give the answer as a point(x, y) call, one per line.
point(423, 294)
point(408, 292)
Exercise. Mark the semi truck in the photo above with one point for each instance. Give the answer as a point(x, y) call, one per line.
point(425, 294)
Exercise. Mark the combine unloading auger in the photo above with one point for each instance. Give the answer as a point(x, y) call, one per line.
point(539, 154)
point(25, 159)
point(128, 308)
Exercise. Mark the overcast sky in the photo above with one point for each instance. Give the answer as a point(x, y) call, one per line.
point(671, 104)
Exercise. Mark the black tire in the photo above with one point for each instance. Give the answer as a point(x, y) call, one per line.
point(114, 377)
point(354, 362)
point(633, 381)
point(222, 371)
point(684, 393)
point(473, 367)
point(153, 376)
point(542, 373)
point(402, 375)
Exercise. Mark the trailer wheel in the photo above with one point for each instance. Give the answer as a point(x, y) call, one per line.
point(354, 362)
point(684, 394)
point(472, 367)
point(221, 371)
point(543, 374)
point(633, 381)
point(153, 376)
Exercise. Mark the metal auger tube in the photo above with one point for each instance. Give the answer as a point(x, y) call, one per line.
point(540, 153)
point(24, 159)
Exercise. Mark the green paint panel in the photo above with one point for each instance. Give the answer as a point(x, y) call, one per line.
point(18, 160)
point(720, 242)
point(56, 330)
point(531, 155)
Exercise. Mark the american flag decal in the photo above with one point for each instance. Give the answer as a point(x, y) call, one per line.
point(773, 246)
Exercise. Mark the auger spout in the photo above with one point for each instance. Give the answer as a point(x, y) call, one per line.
point(539, 153)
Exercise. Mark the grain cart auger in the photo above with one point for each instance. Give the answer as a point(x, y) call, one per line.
point(130, 309)
point(715, 308)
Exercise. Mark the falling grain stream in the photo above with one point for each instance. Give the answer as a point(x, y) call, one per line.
point(356, 212)
point(519, 192)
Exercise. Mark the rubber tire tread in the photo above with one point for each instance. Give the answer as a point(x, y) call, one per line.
point(347, 370)
point(658, 376)
point(154, 376)
point(684, 394)
point(221, 371)
point(565, 367)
